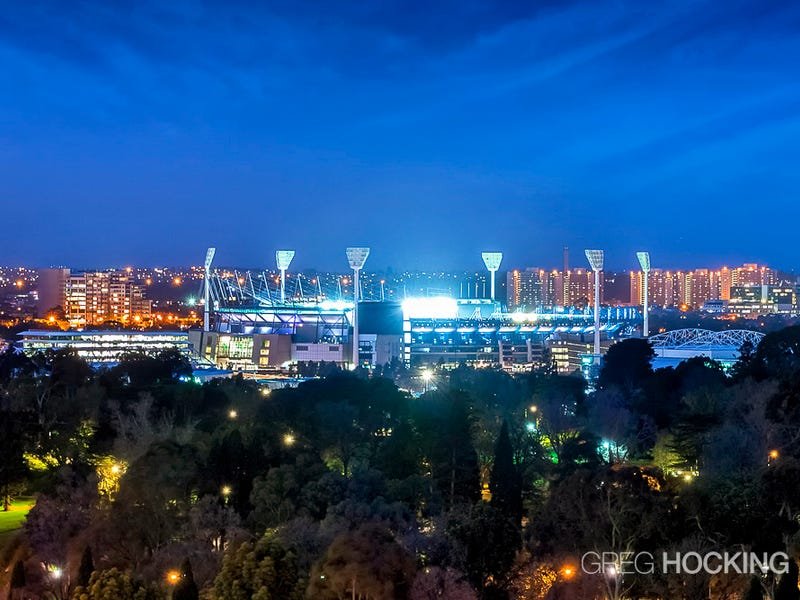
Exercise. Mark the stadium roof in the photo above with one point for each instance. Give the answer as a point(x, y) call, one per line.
point(705, 339)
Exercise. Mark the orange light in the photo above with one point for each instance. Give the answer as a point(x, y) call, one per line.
point(51, 319)
point(774, 454)
point(19, 283)
point(173, 577)
point(148, 281)
point(176, 281)
point(568, 571)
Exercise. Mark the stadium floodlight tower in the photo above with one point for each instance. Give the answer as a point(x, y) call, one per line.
point(283, 258)
point(356, 257)
point(207, 288)
point(595, 258)
point(492, 261)
point(644, 261)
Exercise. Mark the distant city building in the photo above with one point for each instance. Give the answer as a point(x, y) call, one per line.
point(104, 347)
point(51, 287)
point(527, 290)
point(533, 289)
point(695, 288)
point(96, 297)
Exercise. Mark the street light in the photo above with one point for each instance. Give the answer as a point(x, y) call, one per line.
point(595, 258)
point(427, 376)
point(289, 440)
point(644, 261)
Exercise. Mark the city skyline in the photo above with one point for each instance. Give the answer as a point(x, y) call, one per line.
point(417, 131)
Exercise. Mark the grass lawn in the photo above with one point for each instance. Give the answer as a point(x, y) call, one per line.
point(12, 520)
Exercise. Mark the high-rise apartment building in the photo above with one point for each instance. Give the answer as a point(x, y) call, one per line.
point(534, 288)
point(695, 288)
point(50, 288)
point(526, 289)
point(94, 298)
point(753, 274)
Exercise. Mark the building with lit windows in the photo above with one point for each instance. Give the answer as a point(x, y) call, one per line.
point(97, 297)
point(105, 347)
point(696, 288)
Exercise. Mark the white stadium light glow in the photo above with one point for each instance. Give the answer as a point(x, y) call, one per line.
point(595, 258)
point(492, 261)
point(644, 261)
point(210, 257)
point(437, 307)
point(283, 258)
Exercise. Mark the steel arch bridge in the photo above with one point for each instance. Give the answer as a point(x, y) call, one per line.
point(703, 338)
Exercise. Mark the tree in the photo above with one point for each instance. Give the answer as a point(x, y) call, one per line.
point(435, 583)
point(755, 591)
point(12, 447)
point(505, 482)
point(446, 433)
point(186, 588)
point(366, 564)
point(487, 542)
point(264, 570)
point(627, 365)
point(18, 581)
point(86, 567)
point(787, 586)
point(114, 584)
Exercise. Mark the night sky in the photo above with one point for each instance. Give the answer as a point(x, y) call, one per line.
point(140, 133)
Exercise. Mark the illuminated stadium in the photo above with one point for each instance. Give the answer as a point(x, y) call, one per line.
point(259, 322)
point(673, 347)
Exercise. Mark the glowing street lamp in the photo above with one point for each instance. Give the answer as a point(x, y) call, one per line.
point(283, 258)
point(173, 576)
point(644, 261)
point(427, 377)
point(289, 440)
point(492, 261)
point(356, 257)
point(595, 258)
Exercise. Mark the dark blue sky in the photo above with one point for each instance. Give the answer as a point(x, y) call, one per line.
point(141, 132)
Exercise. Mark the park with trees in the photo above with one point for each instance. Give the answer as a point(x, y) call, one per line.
point(147, 485)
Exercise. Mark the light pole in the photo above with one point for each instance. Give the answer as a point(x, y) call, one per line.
point(644, 261)
point(356, 257)
point(207, 288)
point(595, 258)
point(492, 261)
point(283, 258)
